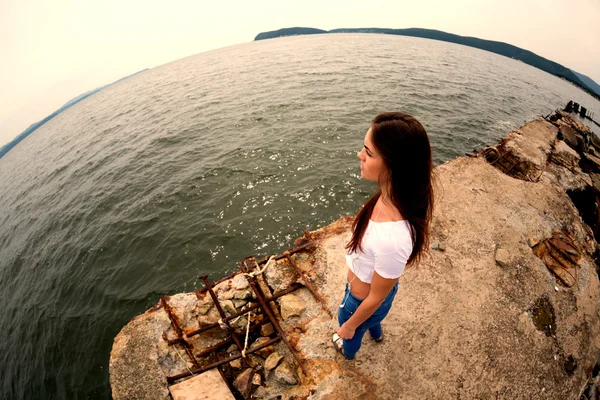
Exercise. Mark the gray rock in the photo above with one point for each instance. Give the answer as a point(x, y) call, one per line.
point(502, 257)
point(243, 382)
point(239, 303)
point(243, 295)
point(233, 350)
point(240, 323)
point(265, 352)
point(280, 275)
point(229, 307)
point(291, 306)
point(226, 294)
point(272, 361)
point(204, 308)
point(240, 282)
point(286, 374)
point(255, 361)
point(260, 393)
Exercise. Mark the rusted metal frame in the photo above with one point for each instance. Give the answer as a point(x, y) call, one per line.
point(178, 330)
point(204, 289)
point(171, 379)
point(514, 165)
point(499, 155)
point(205, 328)
point(223, 343)
point(221, 312)
point(304, 247)
point(267, 307)
point(169, 310)
point(308, 284)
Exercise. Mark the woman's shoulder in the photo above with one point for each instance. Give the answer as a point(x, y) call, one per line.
point(393, 236)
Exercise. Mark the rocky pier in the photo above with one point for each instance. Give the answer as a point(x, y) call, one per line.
point(506, 305)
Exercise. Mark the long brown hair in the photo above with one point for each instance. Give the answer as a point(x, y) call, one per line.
point(404, 146)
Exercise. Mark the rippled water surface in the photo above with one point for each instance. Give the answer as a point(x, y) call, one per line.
point(188, 167)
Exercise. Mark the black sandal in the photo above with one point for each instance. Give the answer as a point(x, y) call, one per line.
point(379, 339)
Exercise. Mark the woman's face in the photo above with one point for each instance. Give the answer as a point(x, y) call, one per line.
point(371, 162)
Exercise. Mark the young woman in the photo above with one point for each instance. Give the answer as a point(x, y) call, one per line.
point(391, 230)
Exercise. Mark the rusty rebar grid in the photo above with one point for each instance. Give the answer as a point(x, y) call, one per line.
point(178, 330)
point(204, 289)
point(294, 250)
point(308, 284)
point(199, 370)
point(230, 330)
point(266, 305)
point(205, 328)
point(223, 343)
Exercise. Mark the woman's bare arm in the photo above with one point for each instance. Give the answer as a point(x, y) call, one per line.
point(380, 288)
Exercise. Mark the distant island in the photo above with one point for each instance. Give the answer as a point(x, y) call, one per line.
point(504, 49)
point(6, 148)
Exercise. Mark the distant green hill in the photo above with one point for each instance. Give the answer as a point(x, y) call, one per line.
point(501, 48)
point(588, 81)
point(288, 32)
point(6, 148)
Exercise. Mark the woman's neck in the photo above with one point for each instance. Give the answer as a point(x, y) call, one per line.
point(390, 212)
point(385, 198)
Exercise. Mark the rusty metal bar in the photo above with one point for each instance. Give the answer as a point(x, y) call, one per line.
point(205, 328)
point(221, 312)
point(171, 379)
point(514, 165)
point(308, 284)
point(223, 343)
point(204, 289)
point(266, 306)
point(499, 155)
point(169, 310)
point(178, 330)
point(304, 247)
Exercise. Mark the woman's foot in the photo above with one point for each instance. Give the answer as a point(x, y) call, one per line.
point(379, 339)
point(338, 344)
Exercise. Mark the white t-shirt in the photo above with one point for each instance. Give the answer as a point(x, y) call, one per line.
point(386, 248)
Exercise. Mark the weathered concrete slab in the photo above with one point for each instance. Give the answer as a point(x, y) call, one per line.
point(523, 153)
point(533, 141)
point(207, 386)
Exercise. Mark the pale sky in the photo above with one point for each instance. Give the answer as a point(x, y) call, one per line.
point(55, 50)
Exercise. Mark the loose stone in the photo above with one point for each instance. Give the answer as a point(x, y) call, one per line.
point(243, 295)
point(272, 361)
point(243, 382)
point(285, 373)
point(229, 307)
point(265, 352)
point(239, 282)
point(502, 257)
point(239, 303)
point(291, 306)
point(267, 329)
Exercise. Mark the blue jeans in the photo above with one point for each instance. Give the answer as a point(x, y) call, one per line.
point(373, 324)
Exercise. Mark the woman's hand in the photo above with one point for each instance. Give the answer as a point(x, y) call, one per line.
point(346, 332)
